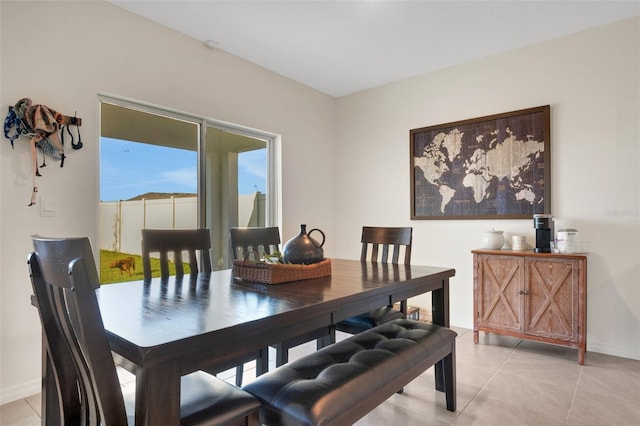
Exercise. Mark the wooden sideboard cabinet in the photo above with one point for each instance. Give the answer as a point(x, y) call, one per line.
point(536, 296)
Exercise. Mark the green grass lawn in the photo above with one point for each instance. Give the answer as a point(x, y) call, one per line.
point(110, 274)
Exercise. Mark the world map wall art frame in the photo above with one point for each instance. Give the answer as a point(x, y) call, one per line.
point(493, 167)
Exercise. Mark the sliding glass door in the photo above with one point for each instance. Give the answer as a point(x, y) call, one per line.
point(162, 169)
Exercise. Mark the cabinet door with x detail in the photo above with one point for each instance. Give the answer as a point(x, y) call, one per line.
point(499, 290)
point(552, 293)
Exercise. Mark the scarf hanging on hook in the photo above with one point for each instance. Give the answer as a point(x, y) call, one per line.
point(45, 128)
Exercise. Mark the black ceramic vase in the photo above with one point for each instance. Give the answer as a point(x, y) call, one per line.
point(302, 249)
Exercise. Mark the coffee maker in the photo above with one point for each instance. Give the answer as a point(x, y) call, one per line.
point(543, 223)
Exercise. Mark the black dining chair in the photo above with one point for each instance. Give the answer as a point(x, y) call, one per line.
point(64, 279)
point(166, 242)
point(380, 245)
point(253, 244)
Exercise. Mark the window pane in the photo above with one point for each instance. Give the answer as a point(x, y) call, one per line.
point(148, 179)
point(252, 171)
point(141, 186)
point(131, 170)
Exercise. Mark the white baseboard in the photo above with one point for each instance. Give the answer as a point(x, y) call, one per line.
point(611, 350)
point(21, 391)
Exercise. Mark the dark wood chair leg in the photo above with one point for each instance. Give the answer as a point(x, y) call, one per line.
point(323, 341)
point(262, 362)
point(282, 354)
point(239, 374)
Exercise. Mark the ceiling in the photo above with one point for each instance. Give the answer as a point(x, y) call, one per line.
point(342, 47)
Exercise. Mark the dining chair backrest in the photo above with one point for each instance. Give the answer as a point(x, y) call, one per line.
point(384, 241)
point(64, 279)
point(175, 242)
point(254, 243)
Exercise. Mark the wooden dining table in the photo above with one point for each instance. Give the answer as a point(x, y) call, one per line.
point(163, 330)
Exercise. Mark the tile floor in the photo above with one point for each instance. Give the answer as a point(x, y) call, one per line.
point(501, 381)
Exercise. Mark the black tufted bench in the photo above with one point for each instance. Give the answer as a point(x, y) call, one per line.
point(340, 383)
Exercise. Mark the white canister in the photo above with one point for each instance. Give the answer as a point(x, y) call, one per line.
point(567, 240)
point(492, 239)
point(518, 242)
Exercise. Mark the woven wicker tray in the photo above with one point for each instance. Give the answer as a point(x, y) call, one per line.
point(279, 273)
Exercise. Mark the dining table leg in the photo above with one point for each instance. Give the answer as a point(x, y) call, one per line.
point(158, 396)
point(440, 316)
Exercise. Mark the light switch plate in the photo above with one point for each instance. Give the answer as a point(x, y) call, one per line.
point(47, 207)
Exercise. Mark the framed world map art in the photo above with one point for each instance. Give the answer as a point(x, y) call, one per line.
point(493, 167)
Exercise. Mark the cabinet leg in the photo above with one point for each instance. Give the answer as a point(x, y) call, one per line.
point(581, 356)
point(475, 336)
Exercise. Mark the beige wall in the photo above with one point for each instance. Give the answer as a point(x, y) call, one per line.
point(590, 80)
point(63, 54)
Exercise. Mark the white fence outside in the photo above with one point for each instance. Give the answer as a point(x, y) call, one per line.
point(121, 222)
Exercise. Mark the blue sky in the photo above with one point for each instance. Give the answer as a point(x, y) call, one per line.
point(128, 169)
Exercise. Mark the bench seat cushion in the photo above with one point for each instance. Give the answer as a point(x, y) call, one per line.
point(344, 381)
